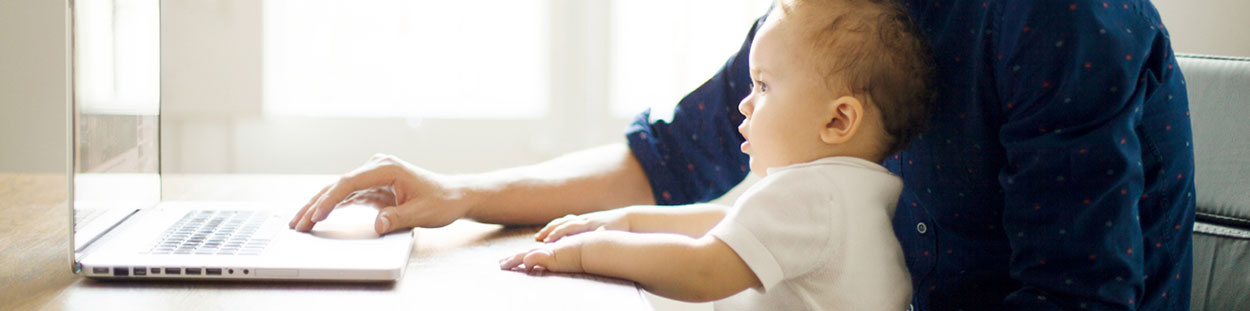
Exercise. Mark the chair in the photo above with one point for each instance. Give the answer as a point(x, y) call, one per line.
point(1219, 105)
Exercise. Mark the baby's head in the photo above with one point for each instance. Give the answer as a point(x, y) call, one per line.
point(835, 78)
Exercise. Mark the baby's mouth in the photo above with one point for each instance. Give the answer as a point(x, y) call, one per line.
point(746, 143)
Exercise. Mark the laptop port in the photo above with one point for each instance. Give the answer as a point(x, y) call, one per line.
point(193, 271)
point(100, 270)
point(141, 271)
point(245, 271)
point(155, 271)
point(230, 271)
point(121, 271)
point(212, 271)
point(173, 270)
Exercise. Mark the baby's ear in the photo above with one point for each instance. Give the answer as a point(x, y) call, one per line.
point(845, 115)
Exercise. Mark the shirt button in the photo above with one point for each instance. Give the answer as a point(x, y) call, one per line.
point(922, 228)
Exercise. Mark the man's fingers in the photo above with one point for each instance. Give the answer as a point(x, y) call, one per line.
point(388, 220)
point(306, 223)
point(369, 178)
point(300, 215)
point(368, 198)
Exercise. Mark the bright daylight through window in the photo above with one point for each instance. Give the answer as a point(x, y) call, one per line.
point(407, 59)
point(485, 59)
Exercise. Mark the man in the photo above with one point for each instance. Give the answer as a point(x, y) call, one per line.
point(1057, 173)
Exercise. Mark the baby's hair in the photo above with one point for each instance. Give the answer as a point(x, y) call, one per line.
point(877, 54)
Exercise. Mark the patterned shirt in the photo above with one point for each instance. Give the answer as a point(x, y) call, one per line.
point(1057, 173)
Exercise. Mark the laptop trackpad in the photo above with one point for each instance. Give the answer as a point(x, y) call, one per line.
point(353, 222)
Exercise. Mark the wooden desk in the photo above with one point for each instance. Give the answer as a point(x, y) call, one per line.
point(451, 268)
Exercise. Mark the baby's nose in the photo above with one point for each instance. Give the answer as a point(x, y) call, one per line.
point(746, 105)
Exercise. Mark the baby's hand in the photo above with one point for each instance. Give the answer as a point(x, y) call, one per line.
point(574, 224)
point(565, 256)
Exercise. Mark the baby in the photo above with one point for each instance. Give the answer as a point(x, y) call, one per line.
point(838, 85)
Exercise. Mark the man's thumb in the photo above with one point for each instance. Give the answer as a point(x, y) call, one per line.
point(388, 220)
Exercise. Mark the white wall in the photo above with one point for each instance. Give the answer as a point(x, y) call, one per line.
point(32, 86)
point(201, 138)
point(1214, 27)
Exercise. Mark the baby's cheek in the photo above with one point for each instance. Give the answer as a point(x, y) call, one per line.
point(755, 169)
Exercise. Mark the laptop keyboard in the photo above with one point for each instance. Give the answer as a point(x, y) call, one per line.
point(214, 232)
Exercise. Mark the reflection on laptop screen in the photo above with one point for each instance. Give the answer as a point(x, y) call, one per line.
point(116, 104)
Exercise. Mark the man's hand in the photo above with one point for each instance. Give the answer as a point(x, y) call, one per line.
point(617, 219)
point(563, 256)
point(406, 196)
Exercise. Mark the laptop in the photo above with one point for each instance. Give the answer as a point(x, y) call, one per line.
point(122, 228)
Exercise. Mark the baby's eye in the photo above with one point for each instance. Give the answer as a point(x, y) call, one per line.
point(763, 86)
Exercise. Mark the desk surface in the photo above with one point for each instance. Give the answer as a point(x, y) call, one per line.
point(455, 267)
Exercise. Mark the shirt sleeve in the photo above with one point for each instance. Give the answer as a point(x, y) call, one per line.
point(1073, 80)
point(781, 227)
point(691, 154)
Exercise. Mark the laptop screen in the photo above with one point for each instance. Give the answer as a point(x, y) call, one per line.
point(115, 111)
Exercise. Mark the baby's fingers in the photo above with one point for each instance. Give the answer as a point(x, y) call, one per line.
point(512, 262)
point(538, 258)
point(542, 234)
point(566, 229)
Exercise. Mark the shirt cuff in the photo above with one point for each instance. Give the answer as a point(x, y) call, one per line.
point(751, 251)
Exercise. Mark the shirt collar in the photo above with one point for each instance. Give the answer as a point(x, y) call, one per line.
point(836, 160)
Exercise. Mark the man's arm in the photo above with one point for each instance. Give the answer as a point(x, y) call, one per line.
point(408, 196)
point(586, 181)
point(1086, 108)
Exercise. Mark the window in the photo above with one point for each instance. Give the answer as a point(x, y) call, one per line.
point(488, 59)
point(407, 59)
point(662, 50)
point(117, 58)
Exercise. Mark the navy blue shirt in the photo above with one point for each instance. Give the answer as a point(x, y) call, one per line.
point(1057, 173)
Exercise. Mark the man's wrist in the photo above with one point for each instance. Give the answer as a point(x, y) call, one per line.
point(469, 192)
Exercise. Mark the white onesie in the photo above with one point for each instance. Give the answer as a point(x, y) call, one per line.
point(818, 235)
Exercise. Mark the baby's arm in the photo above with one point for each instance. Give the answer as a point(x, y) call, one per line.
point(689, 220)
point(670, 265)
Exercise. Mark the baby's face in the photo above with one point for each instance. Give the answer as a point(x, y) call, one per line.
point(785, 110)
